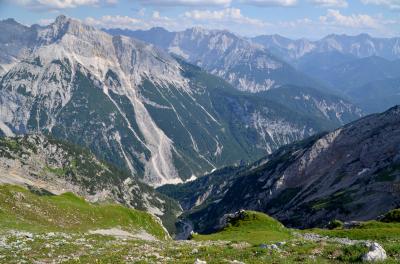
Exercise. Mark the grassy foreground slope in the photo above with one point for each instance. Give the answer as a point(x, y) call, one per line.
point(25, 210)
point(37, 227)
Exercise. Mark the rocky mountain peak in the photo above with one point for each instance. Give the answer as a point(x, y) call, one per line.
point(61, 19)
point(10, 21)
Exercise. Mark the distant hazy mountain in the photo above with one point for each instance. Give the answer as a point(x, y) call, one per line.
point(160, 118)
point(346, 64)
point(352, 73)
point(360, 46)
point(358, 79)
point(249, 67)
point(377, 96)
point(352, 173)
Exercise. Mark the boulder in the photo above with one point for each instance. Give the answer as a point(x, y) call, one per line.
point(375, 253)
point(198, 261)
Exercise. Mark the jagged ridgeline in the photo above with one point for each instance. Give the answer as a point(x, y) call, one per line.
point(137, 107)
point(49, 166)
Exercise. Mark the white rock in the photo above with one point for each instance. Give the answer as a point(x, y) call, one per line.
point(376, 253)
point(198, 261)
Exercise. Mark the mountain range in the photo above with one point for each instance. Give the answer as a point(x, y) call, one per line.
point(157, 116)
point(360, 46)
point(247, 66)
point(345, 64)
point(335, 64)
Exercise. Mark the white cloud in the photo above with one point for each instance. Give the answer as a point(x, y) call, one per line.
point(228, 15)
point(225, 18)
point(186, 2)
point(295, 23)
point(330, 3)
point(336, 22)
point(45, 21)
point(392, 4)
point(111, 2)
point(142, 12)
point(118, 22)
point(61, 4)
point(335, 18)
point(270, 2)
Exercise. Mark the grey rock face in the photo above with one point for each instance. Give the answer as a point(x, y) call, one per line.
point(352, 173)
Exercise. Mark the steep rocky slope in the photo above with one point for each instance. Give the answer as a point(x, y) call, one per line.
point(137, 107)
point(351, 173)
point(47, 165)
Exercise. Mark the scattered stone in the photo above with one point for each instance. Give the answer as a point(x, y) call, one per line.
point(240, 245)
point(274, 247)
point(118, 233)
point(344, 241)
point(376, 253)
point(198, 261)
point(263, 246)
point(28, 235)
point(280, 244)
point(271, 247)
point(195, 251)
point(236, 262)
point(351, 224)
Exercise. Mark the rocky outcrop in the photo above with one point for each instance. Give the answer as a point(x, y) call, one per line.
point(375, 253)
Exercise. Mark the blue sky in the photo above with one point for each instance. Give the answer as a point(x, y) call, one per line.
point(292, 18)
